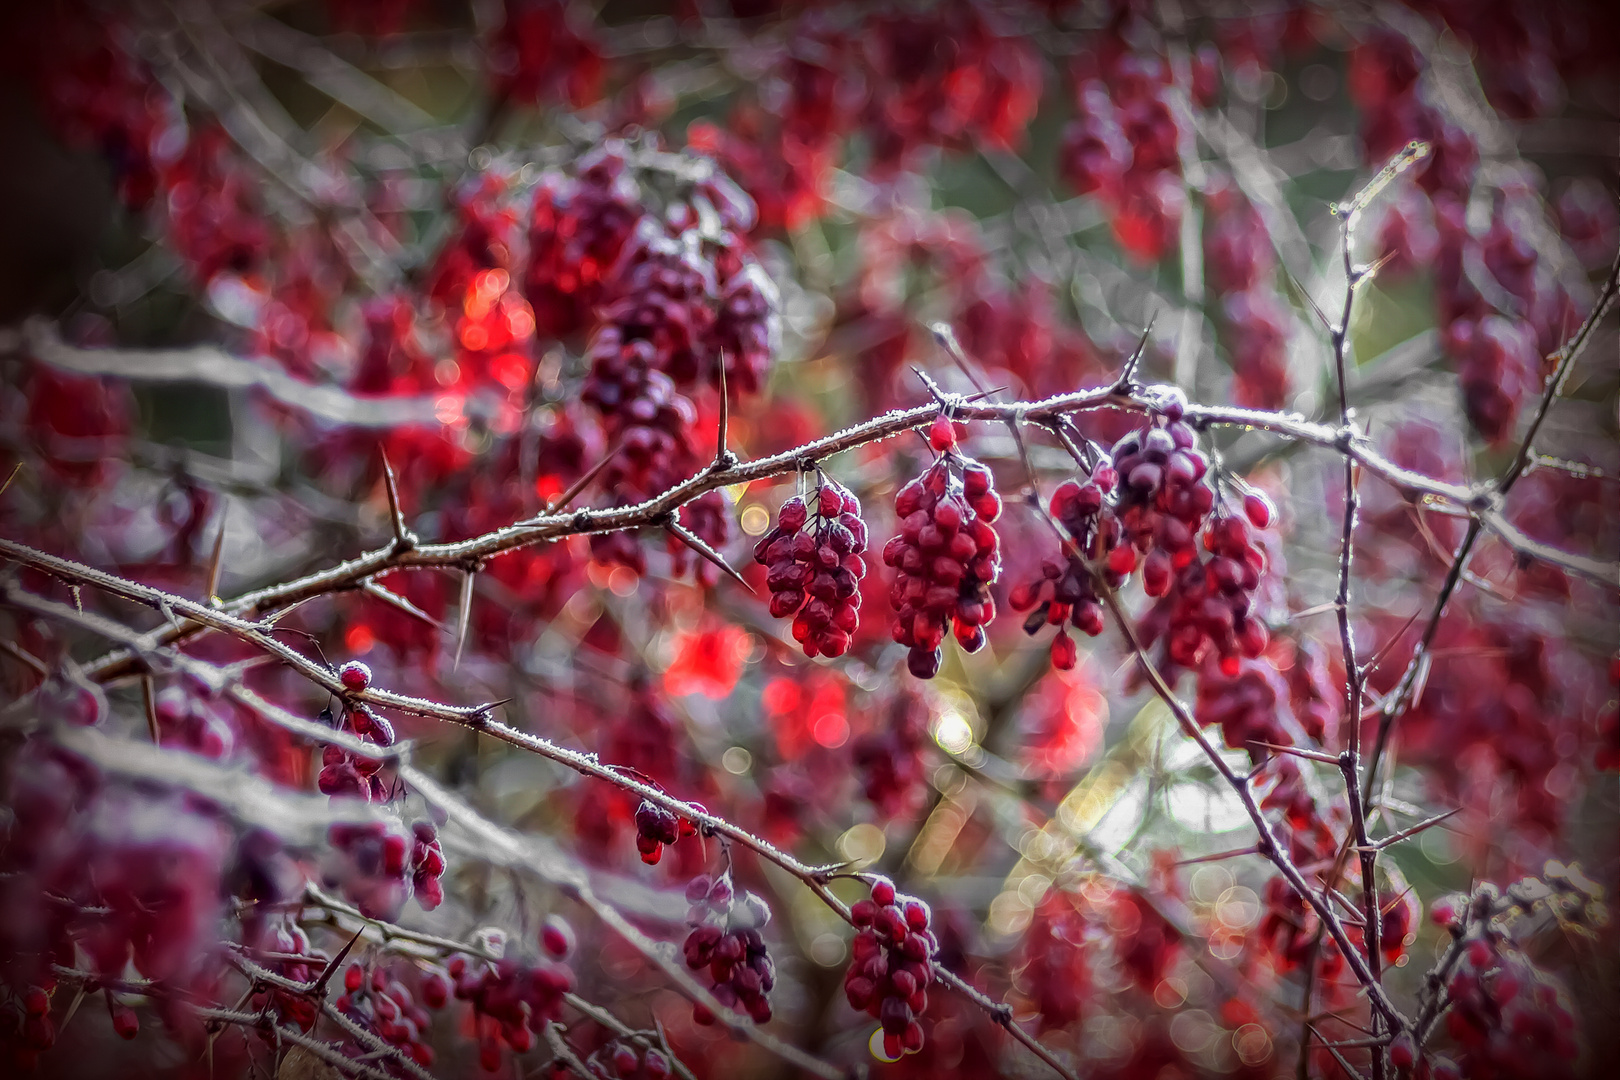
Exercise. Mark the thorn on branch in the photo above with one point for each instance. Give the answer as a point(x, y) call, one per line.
point(149, 699)
point(217, 563)
point(934, 391)
point(583, 482)
point(1127, 375)
point(404, 539)
point(1408, 833)
point(701, 546)
point(464, 611)
point(317, 989)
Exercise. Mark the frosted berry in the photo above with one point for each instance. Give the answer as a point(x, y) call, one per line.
point(814, 567)
point(945, 556)
point(355, 676)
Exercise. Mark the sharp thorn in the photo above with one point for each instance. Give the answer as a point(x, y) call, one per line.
point(725, 414)
point(1408, 833)
point(699, 545)
point(149, 699)
point(583, 482)
point(464, 613)
point(318, 988)
point(402, 535)
point(217, 563)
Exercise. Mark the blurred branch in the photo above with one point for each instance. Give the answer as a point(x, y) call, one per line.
point(209, 365)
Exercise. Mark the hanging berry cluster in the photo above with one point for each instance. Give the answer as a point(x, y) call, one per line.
point(891, 965)
point(1080, 509)
point(1124, 143)
point(814, 566)
point(512, 998)
point(1162, 503)
point(945, 556)
point(658, 828)
point(624, 1060)
point(384, 1005)
point(725, 938)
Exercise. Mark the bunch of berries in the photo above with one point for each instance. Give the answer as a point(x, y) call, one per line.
point(946, 556)
point(1083, 511)
point(624, 1060)
point(386, 1006)
point(427, 865)
point(890, 760)
point(186, 719)
point(287, 941)
point(725, 938)
point(372, 865)
point(348, 774)
point(1209, 609)
point(657, 828)
point(576, 234)
point(890, 965)
point(814, 567)
point(512, 999)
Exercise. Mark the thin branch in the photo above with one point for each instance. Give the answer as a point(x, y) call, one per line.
point(703, 548)
point(1429, 823)
point(556, 525)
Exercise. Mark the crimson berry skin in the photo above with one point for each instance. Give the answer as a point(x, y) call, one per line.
point(355, 676)
point(557, 937)
point(1258, 509)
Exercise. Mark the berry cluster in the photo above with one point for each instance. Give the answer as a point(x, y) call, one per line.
point(814, 566)
point(947, 78)
point(106, 878)
point(286, 940)
point(1056, 975)
point(946, 556)
point(658, 828)
point(427, 865)
point(379, 867)
point(1508, 1012)
point(77, 424)
point(625, 1060)
point(348, 774)
point(385, 1005)
point(186, 719)
point(890, 760)
point(541, 53)
point(1501, 305)
point(1124, 144)
point(512, 999)
point(1250, 707)
point(1254, 322)
point(578, 228)
point(891, 965)
point(725, 938)
point(1208, 609)
point(1083, 511)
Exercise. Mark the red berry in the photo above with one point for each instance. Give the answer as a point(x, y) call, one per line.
point(1258, 509)
point(556, 937)
point(355, 676)
point(942, 434)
